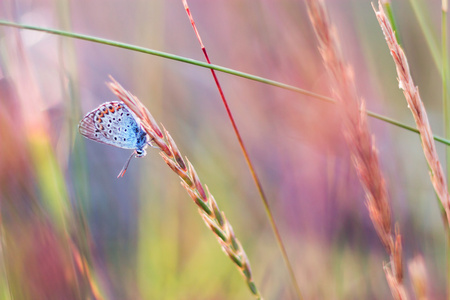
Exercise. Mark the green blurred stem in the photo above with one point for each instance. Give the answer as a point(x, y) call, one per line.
point(5, 285)
point(210, 66)
point(51, 180)
point(445, 98)
point(427, 33)
point(166, 55)
point(447, 231)
point(390, 14)
point(446, 106)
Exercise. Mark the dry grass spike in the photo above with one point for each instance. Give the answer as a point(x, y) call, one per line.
point(208, 209)
point(417, 108)
point(360, 142)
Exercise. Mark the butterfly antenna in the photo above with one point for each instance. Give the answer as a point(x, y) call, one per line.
point(125, 167)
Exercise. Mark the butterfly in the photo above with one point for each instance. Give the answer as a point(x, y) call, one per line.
point(114, 124)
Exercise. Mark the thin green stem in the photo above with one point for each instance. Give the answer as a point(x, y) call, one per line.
point(446, 107)
point(447, 231)
point(430, 37)
point(445, 96)
point(167, 55)
point(390, 14)
point(209, 66)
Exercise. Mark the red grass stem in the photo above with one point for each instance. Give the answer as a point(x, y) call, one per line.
point(247, 159)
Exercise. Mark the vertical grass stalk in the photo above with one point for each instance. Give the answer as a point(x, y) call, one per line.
point(419, 113)
point(428, 34)
point(446, 107)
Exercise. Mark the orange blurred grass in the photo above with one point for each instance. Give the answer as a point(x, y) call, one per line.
point(419, 277)
point(36, 223)
point(361, 143)
point(37, 263)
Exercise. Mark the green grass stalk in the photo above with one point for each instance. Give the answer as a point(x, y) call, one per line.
point(445, 96)
point(430, 37)
point(4, 282)
point(446, 107)
point(390, 14)
point(209, 66)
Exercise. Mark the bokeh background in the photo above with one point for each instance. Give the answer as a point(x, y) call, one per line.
point(140, 236)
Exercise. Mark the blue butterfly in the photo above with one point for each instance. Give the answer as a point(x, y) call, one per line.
point(112, 123)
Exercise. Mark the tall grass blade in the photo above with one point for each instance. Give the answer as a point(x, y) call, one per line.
point(446, 108)
point(209, 66)
point(255, 177)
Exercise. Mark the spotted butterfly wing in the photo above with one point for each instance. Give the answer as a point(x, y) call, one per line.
point(113, 124)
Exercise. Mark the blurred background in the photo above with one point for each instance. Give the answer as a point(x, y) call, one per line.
point(71, 230)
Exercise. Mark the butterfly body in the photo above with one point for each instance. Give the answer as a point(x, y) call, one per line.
point(112, 123)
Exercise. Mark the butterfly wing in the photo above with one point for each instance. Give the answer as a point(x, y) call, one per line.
point(113, 124)
point(87, 129)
